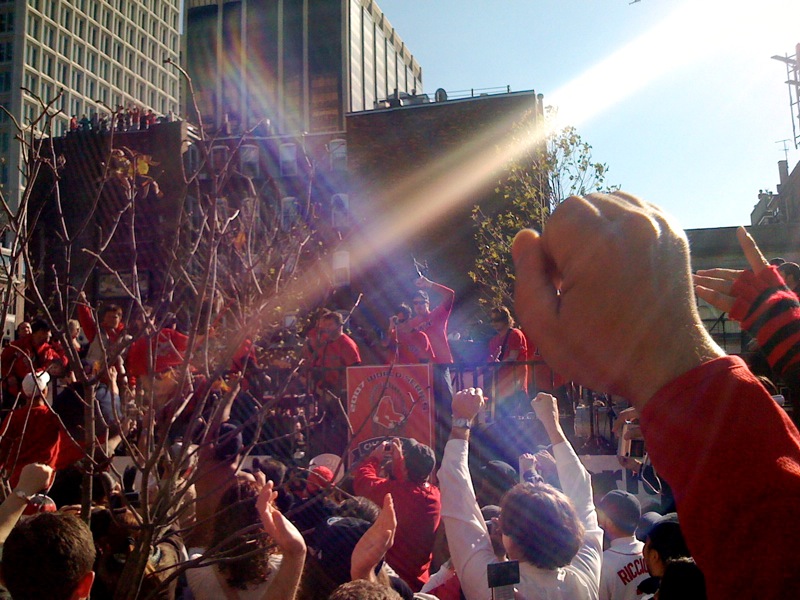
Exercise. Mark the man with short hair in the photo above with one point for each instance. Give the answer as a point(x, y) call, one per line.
point(32, 352)
point(50, 555)
point(553, 535)
point(618, 513)
point(336, 350)
point(417, 504)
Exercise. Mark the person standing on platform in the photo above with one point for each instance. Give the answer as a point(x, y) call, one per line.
point(433, 323)
point(509, 344)
point(406, 346)
point(335, 352)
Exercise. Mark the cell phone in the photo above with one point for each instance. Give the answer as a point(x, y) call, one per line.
point(503, 576)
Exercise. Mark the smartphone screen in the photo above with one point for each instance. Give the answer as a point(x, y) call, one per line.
point(502, 578)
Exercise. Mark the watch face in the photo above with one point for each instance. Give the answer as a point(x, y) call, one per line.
point(40, 503)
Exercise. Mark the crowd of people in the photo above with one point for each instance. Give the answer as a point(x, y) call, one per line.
point(410, 520)
point(124, 118)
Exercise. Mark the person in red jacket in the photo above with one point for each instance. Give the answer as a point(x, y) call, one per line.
point(606, 293)
point(108, 333)
point(30, 353)
point(417, 505)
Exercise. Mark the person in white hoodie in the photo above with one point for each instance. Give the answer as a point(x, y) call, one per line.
point(554, 535)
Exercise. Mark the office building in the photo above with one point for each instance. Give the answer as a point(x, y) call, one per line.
point(98, 53)
point(293, 65)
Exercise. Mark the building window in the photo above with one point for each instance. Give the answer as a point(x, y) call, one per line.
point(5, 82)
point(219, 158)
point(6, 51)
point(6, 22)
point(249, 163)
point(288, 160)
point(33, 26)
point(337, 150)
point(290, 212)
point(66, 19)
point(340, 211)
point(64, 44)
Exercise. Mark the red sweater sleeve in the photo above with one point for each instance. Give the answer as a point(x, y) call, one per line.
point(86, 319)
point(367, 483)
point(732, 457)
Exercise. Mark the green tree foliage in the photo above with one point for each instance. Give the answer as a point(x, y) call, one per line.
point(540, 177)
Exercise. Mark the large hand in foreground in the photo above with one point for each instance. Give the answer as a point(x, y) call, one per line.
point(605, 293)
point(375, 542)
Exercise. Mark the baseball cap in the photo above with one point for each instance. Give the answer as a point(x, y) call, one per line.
point(622, 508)
point(29, 386)
point(500, 475)
point(229, 441)
point(645, 524)
point(419, 459)
point(335, 542)
point(319, 477)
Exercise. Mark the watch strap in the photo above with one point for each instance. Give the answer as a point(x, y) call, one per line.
point(462, 423)
point(23, 495)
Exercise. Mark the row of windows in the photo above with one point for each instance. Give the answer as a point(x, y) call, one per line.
point(100, 11)
point(377, 68)
point(57, 69)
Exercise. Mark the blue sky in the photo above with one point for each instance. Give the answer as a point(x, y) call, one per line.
point(679, 97)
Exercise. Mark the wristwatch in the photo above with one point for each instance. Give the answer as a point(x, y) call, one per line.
point(23, 495)
point(462, 423)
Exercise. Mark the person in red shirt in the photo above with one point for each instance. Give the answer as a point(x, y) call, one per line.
point(335, 351)
point(108, 333)
point(30, 353)
point(34, 433)
point(406, 345)
point(433, 323)
point(510, 386)
point(417, 504)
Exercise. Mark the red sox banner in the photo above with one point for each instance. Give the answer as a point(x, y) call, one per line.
point(386, 402)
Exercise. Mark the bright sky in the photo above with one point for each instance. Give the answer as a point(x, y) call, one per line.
point(679, 97)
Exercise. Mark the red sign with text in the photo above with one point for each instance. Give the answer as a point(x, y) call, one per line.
point(385, 402)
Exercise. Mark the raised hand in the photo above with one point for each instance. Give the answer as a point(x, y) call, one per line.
point(605, 293)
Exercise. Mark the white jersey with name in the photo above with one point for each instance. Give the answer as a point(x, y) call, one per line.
point(623, 570)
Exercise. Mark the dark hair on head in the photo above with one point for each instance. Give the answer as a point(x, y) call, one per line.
point(666, 538)
point(543, 524)
point(682, 580)
point(237, 512)
point(359, 508)
point(334, 316)
point(768, 383)
point(273, 469)
point(46, 556)
point(403, 309)
point(40, 325)
point(789, 268)
point(109, 308)
point(361, 589)
point(503, 313)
